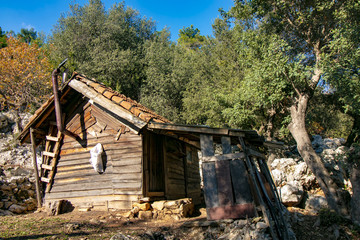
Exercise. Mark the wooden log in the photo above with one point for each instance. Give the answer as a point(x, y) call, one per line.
point(36, 172)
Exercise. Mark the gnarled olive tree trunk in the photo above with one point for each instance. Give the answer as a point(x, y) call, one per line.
point(313, 161)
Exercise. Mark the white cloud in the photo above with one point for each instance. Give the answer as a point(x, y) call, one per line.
point(27, 26)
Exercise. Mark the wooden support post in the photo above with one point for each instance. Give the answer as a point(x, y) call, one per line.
point(36, 172)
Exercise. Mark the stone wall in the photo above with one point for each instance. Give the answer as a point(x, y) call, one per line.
point(17, 184)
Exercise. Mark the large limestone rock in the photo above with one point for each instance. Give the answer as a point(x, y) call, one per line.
point(292, 193)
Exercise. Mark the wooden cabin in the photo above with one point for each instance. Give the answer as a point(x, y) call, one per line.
point(139, 162)
point(145, 156)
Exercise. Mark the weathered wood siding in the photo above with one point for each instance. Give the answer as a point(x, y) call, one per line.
point(181, 170)
point(77, 181)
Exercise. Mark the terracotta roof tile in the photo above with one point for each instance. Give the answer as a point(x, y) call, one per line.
point(135, 111)
point(100, 89)
point(108, 94)
point(117, 99)
point(128, 104)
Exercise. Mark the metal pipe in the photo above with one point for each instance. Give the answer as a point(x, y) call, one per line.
point(58, 114)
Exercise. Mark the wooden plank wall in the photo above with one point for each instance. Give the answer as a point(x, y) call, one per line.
point(182, 170)
point(77, 181)
point(193, 174)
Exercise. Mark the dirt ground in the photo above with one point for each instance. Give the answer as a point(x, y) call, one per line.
point(104, 225)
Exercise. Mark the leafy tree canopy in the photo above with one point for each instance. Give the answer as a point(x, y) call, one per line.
point(25, 74)
point(106, 45)
point(2, 39)
point(190, 37)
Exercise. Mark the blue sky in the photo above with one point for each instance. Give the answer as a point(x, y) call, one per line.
point(42, 15)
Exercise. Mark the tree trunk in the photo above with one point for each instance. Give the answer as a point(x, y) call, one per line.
point(313, 161)
point(355, 200)
point(355, 131)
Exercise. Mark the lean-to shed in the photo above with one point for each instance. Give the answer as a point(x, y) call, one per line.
point(138, 161)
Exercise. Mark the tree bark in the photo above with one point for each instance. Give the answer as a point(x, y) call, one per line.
point(354, 136)
point(313, 161)
point(355, 200)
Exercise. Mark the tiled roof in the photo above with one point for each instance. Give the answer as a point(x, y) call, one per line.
point(121, 100)
point(124, 102)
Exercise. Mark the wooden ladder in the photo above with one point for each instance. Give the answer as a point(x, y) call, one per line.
point(49, 156)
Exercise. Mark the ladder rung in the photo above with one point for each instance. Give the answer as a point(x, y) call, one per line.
point(48, 167)
point(51, 138)
point(49, 154)
point(43, 179)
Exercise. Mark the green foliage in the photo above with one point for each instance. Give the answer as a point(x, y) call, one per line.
point(190, 37)
point(27, 35)
point(2, 39)
point(160, 91)
point(106, 45)
point(324, 118)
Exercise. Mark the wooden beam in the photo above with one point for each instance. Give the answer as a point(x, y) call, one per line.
point(222, 157)
point(107, 104)
point(36, 172)
point(185, 128)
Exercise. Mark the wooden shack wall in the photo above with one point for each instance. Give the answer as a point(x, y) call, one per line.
point(182, 176)
point(77, 181)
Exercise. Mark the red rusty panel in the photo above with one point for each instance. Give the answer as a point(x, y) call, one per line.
point(225, 191)
point(231, 212)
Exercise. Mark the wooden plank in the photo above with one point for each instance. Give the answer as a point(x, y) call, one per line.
point(44, 179)
point(127, 185)
point(47, 167)
point(224, 157)
point(51, 138)
point(231, 212)
point(241, 185)
point(126, 161)
point(81, 187)
point(128, 169)
point(185, 128)
point(49, 154)
point(225, 192)
point(109, 105)
point(207, 145)
point(96, 199)
point(210, 184)
point(84, 193)
point(92, 141)
point(103, 116)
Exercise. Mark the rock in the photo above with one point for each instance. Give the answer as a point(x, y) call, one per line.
point(278, 176)
point(70, 227)
point(6, 213)
point(315, 203)
point(291, 193)
point(142, 206)
point(158, 205)
point(31, 204)
point(120, 236)
point(58, 207)
point(17, 208)
point(187, 209)
point(261, 225)
point(145, 215)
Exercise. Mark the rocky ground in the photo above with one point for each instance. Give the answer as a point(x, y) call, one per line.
point(297, 187)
